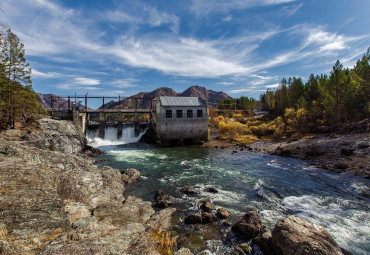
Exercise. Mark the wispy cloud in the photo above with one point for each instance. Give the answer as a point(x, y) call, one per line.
point(124, 83)
point(203, 7)
point(36, 73)
point(86, 81)
point(292, 9)
point(225, 83)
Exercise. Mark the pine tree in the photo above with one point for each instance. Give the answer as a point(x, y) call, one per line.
point(16, 71)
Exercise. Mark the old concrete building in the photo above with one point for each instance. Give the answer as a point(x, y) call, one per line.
point(179, 120)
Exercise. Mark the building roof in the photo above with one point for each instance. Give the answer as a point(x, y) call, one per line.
point(181, 101)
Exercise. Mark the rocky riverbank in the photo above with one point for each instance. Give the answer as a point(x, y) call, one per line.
point(334, 152)
point(54, 200)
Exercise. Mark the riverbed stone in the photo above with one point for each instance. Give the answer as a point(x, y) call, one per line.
point(183, 251)
point(211, 190)
point(294, 235)
point(249, 226)
point(223, 213)
point(207, 206)
point(162, 199)
point(130, 175)
point(208, 217)
point(193, 219)
point(188, 190)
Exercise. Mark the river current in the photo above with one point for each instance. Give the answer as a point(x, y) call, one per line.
point(275, 186)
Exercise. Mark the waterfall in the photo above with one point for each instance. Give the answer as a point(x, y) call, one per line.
point(128, 136)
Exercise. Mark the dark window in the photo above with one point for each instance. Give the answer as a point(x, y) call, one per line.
point(199, 113)
point(168, 114)
point(189, 113)
point(178, 113)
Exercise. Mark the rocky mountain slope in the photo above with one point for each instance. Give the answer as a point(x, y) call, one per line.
point(59, 102)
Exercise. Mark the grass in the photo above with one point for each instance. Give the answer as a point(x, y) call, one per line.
point(3, 231)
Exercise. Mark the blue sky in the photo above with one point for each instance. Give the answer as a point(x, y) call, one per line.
point(113, 47)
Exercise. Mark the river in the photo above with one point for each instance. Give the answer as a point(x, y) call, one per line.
point(275, 186)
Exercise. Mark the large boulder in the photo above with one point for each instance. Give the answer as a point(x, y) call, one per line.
point(249, 226)
point(130, 175)
point(296, 236)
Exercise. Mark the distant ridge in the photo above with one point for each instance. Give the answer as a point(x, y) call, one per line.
point(210, 96)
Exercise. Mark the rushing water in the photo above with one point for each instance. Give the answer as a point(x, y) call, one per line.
point(273, 185)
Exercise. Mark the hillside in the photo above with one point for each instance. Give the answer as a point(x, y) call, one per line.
point(210, 96)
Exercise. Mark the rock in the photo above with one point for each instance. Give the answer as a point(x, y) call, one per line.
point(314, 151)
point(208, 217)
point(249, 226)
point(211, 190)
point(91, 151)
point(346, 152)
point(193, 219)
point(226, 223)
point(340, 166)
point(160, 221)
point(208, 207)
point(223, 213)
point(183, 251)
point(345, 252)
point(264, 241)
point(294, 235)
point(362, 145)
point(162, 199)
point(205, 252)
point(189, 191)
point(130, 175)
point(244, 247)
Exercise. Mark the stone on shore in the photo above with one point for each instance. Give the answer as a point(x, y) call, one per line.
point(130, 175)
point(294, 235)
point(208, 217)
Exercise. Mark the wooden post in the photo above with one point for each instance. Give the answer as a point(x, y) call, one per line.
point(102, 125)
point(69, 103)
point(103, 104)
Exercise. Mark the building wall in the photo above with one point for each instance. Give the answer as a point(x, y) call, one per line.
point(180, 129)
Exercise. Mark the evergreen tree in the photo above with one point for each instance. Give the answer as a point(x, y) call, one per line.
point(18, 100)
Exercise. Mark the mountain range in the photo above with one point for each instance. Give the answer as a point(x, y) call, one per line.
point(143, 100)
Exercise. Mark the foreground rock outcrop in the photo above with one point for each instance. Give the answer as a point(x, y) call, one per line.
point(294, 235)
point(54, 201)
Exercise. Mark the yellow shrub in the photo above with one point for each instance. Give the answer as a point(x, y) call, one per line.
point(238, 116)
point(166, 244)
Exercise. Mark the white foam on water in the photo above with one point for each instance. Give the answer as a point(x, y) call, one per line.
point(110, 138)
point(133, 156)
point(347, 225)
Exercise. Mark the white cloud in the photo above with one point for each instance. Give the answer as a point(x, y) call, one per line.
point(124, 83)
point(36, 73)
point(276, 85)
point(292, 9)
point(86, 81)
point(203, 7)
point(225, 83)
